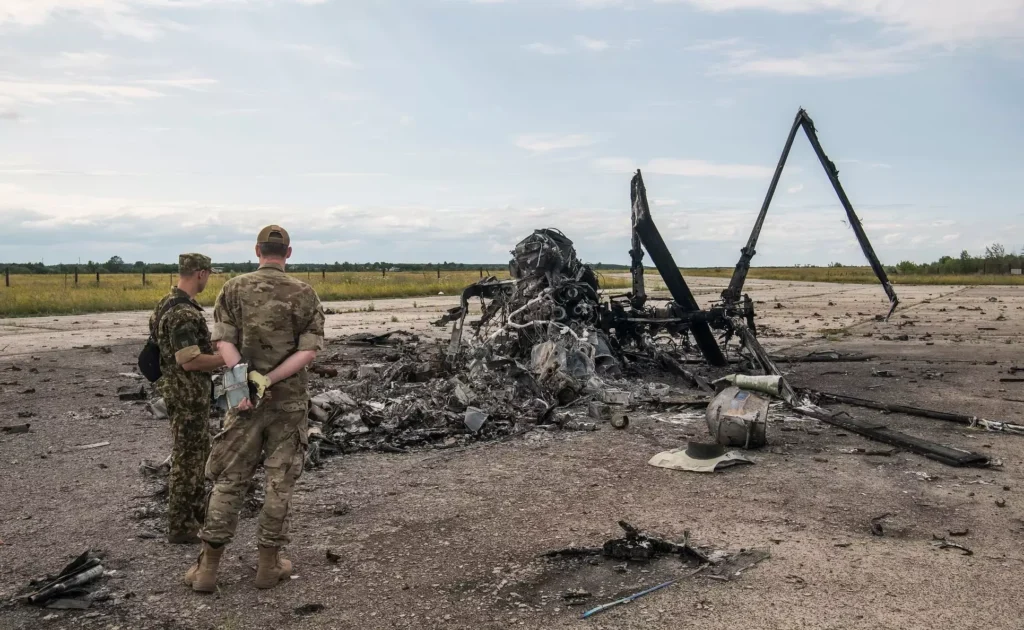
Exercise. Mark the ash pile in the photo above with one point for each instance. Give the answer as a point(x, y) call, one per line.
point(540, 355)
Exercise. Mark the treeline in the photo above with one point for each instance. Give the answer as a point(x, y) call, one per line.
point(995, 260)
point(117, 265)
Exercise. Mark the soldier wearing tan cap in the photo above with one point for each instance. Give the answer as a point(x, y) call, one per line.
point(186, 356)
point(275, 324)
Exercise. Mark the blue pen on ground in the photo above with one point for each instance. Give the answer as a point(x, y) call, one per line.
point(628, 599)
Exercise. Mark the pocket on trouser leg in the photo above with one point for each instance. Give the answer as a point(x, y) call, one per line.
point(226, 448)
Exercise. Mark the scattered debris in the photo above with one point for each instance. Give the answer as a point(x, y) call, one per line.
point(737, 417)
point(324, 371)
point(971, 421)
point(696, 457)
point(948, 455)
point(637, 546)
point(67, 589)
point(385, 339)
point(942, 543)
point(156, 469)
point(158, 409)
point(764, 384)
point(132, 392)
point(309, 609)
point(85, 447)
point(634, 596)
point(475, 419)
point(876, 524)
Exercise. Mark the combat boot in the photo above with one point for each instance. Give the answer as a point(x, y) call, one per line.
point(272, 568)
point(184, 538)
point(202, 576)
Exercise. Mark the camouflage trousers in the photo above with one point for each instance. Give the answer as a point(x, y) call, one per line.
point(274, 432)
point(191, 446)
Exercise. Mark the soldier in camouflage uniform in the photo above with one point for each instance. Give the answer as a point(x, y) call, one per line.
point(186, 357)
point(275, 323)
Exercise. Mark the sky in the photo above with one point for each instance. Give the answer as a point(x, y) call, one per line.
point(447, 130)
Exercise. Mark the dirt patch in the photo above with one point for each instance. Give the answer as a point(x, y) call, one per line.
point(422, 540)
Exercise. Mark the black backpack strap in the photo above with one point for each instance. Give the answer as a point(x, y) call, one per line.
point(171, 303)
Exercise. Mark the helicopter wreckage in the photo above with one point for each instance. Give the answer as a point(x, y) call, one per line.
point(548, 341)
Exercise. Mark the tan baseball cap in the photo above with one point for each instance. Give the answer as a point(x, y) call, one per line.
point(274, 234)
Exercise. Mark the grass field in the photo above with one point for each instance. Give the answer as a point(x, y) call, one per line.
point(850, 275)
point(53, 294)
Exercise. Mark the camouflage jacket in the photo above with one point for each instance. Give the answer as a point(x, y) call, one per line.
point(269, 316)
point(182, 334)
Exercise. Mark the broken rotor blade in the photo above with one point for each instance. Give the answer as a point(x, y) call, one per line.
point(644, 227)
point(739, 275)
point(858, 229)
point(732, 293)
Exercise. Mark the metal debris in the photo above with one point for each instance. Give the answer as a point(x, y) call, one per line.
point(85, 447)
point(942, 543)
point(67, 589)
point(547, 345)
point(737, 417)
point(132, 392)
point(702, 458)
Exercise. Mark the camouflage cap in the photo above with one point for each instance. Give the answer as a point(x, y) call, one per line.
point(191, 263)
point(273, 234)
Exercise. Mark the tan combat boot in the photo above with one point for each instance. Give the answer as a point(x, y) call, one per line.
point(202, 576)
point(272, 568)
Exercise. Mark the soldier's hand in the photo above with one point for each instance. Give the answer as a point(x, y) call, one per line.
point(260, 381)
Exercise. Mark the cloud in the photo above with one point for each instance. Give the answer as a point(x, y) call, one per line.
point(405, 120)
point(701, 168)
point(43, 92)
point(594, 45)
point(713, 45)
point(77, 60)
point(61, 227)
point(546, 142)
point(29, 170)
point(8, 114)
point(615, 165)
point(844, 63)
point(118, 17)
point(795, 189)
point(321, 54)
point(867, 164)
point(599, 4)
point(685, 168)
point(543, 49)
point(183, 83)
point(36, 92)
point(935, 21)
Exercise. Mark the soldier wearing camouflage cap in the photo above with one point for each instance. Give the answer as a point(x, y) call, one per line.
point(274, 323)
point(186, 357)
